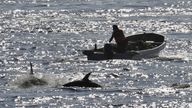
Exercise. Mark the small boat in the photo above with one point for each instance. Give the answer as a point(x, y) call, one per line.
point(146, 45)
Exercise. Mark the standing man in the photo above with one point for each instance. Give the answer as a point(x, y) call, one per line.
point(120, 39)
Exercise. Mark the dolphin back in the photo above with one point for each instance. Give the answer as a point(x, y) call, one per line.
point(85, 82)
point(82, 83)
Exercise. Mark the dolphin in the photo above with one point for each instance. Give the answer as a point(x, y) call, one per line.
point(85, 82)
point(32, 80)
point(180, 86)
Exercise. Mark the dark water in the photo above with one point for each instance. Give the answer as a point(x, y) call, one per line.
point(52, 33)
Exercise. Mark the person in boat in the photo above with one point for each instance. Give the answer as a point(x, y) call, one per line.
point(120, 39)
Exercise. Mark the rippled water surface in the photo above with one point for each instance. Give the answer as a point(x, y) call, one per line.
point(52, 33)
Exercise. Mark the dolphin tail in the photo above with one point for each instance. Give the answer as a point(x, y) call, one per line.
point(31, 69)
point(86, 78)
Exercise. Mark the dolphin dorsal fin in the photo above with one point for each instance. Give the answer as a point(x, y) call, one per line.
point(31, 69)
point(86, 78)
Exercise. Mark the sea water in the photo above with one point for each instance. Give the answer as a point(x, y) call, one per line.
point(52, 34)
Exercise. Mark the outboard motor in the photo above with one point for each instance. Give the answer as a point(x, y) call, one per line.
point(108, 51)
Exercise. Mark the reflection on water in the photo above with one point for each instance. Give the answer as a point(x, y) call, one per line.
point(52, 34)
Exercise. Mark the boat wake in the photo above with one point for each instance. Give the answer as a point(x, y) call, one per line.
point(174, 58)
